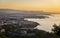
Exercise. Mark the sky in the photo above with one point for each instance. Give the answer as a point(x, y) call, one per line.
point(36, 5)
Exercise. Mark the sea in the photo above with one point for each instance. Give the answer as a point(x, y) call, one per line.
point(47, 23)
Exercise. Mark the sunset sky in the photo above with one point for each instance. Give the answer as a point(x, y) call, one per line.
point(38, 5)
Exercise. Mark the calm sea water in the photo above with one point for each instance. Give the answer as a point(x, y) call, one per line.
point(47, 24)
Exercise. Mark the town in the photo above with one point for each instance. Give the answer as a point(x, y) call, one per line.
point(17, 27)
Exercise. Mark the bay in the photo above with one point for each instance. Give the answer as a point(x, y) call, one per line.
point(47, 23)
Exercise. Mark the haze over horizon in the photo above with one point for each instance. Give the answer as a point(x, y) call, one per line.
point(34, 5)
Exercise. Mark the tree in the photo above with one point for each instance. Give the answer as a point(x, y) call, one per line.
point(56, 30)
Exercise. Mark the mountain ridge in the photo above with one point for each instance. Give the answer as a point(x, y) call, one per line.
point(8, 11)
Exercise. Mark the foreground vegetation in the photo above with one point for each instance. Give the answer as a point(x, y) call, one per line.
point(37, 33)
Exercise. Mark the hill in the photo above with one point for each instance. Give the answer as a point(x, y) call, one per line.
point(9, 11)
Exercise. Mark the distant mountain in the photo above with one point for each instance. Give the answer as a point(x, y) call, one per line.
point(11, 11)
point(23, 13)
